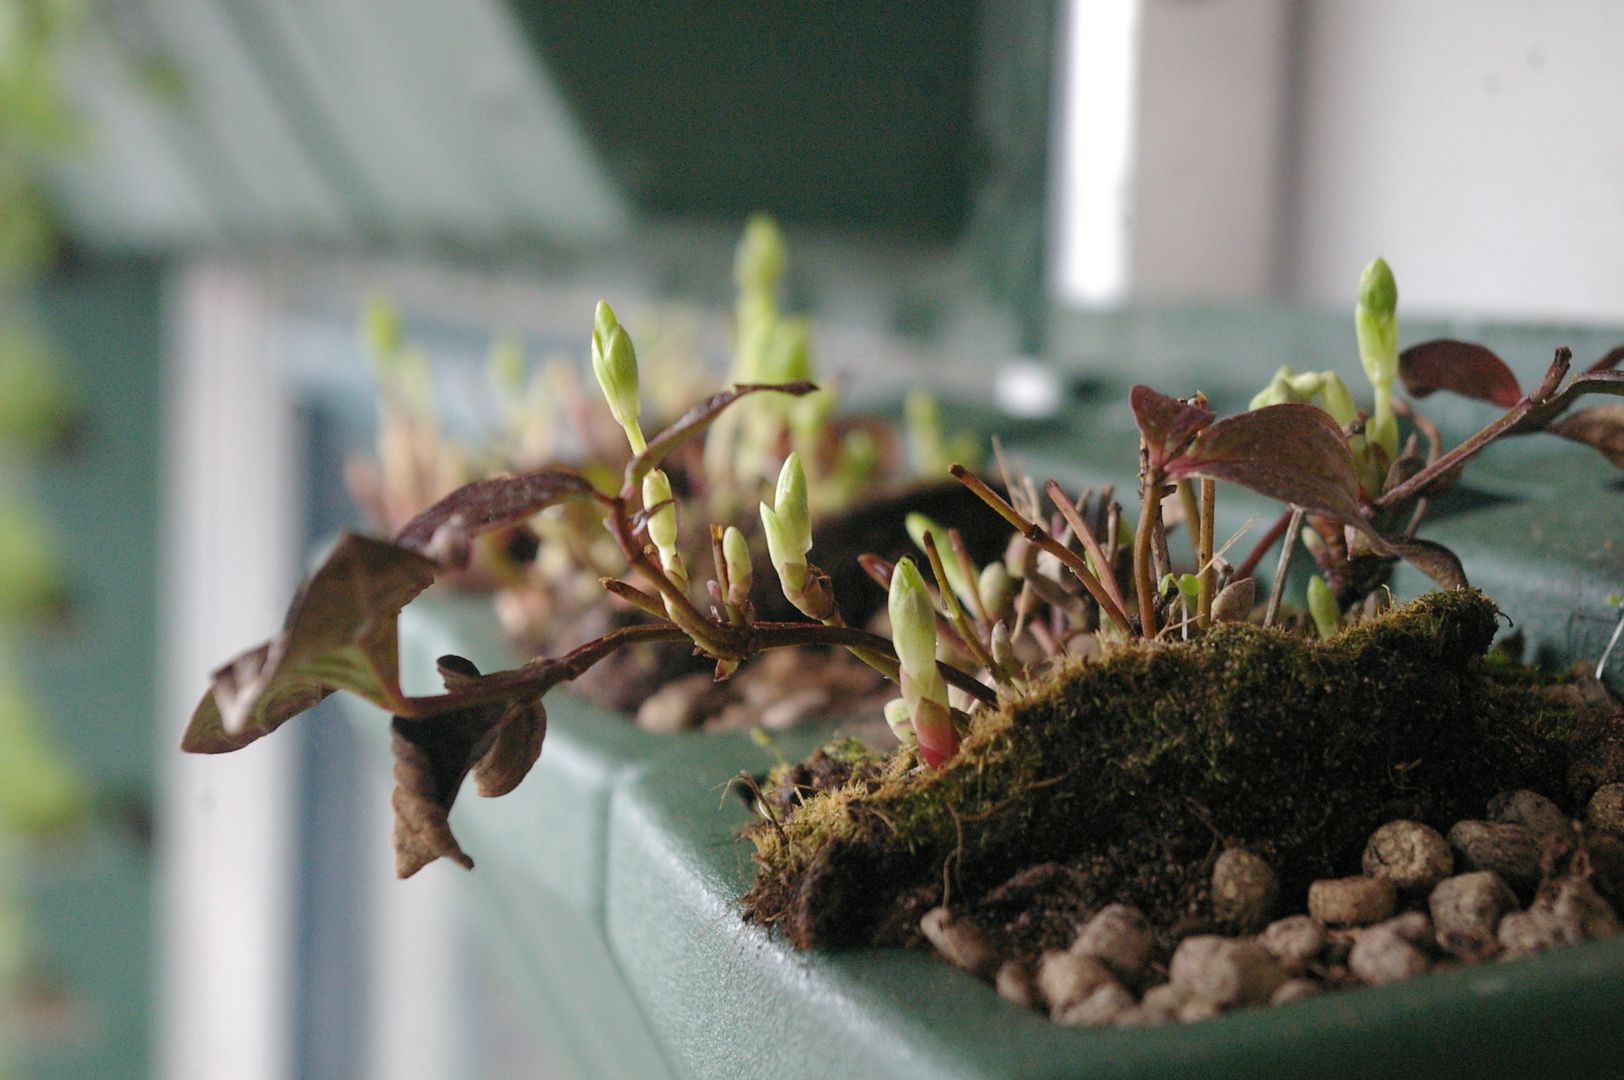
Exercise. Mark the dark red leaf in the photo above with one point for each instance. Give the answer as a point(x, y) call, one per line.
point(340, 634)
point(696, 420)
point(1608, 362)
point(1600, 426)
point(1166, 423)
point(486, 505)
point(1460, 367)
point(1294, 453)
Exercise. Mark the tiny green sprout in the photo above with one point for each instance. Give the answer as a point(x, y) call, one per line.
point(740, 574)
point(1376, 326)
point(918, 525)
point(1322, 606)
point(913, 632)
point(788, 525)
point(614, 362)
point(901, 723)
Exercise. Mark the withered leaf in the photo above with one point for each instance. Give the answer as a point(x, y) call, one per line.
point(339, 634)
point(697, 419)
point(486, 505)
point(1166, 423)
point(1234, 601)
point(1461, 367)
point(1432, 559)
point(1600, 426)
point(433, 755)
point(1292, 452)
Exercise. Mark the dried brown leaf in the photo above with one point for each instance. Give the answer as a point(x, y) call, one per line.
point(340, 634)
point(1460, 367)
point(515, 750)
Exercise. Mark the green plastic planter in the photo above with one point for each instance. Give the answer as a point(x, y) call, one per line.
point(612, 875)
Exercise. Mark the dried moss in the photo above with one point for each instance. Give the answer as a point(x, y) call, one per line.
point(1139, 766)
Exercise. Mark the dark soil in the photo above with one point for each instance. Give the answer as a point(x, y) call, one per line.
point(1122, 778)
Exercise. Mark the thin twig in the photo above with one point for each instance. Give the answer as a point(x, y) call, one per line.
point(1209, 575)
point(1107, 577)
point(955, 610)
point(1283, 567)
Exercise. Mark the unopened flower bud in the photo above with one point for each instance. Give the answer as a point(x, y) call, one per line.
point(758, 261)
point(913, 620)
point(740, 574)
point(614, 362)
point(896, 715)
point(662, 522)
point(996, 589)
point(788, 525)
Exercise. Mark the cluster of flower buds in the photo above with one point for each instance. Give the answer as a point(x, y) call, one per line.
point(788, 526)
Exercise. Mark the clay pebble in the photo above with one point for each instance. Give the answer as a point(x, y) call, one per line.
point(1352, 901)
point(1411, 855)
point(1466, 912)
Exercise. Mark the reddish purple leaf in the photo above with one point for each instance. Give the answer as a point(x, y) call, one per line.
point(696, 420)
point(1600, 426)
point(491, 504)
point(339, 635)
point(1294, 453)
point(1460, 367)
point(1166, 423)
point(1608, 362)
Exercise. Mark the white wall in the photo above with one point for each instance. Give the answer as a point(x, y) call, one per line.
point(1277, 146)
point(1477, 144)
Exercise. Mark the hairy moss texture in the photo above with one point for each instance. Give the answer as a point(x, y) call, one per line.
point(1139, 766)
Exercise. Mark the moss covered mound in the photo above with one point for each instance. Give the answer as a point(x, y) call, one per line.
point(1138, 767)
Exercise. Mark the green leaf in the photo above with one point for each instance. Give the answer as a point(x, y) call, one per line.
point(1166, 423)
point(1460, 367)
point(340, 634)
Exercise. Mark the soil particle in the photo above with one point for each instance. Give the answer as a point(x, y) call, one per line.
point(1294, 940)
point(1102, 1006)
point(1014, 984)
point(1413, 856)
point(1580, 912)
point(1524, 932)
point(1065, 979)
point(1119, 937)
point(1352, 901)
point(1387, 953)
point(1529, 809)
point(960, 941)
point(1038, 908)
point(1245, 889)
point(1295, 990)
point(1606, 809)
point(1510, 850)
point(1466, 910)
point(1225, 971)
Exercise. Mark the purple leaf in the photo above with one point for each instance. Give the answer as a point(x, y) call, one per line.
point(1166, 423)
point(1460, 367)
point(1294, 453)
point(340, 634)
point(697, 419)
point(1608, 362)
point(486, 505)
point(1600, 426)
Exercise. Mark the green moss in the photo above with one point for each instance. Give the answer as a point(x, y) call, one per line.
point(1140, 766)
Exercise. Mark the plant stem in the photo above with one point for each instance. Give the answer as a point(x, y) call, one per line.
point(955, 610)
point(1208, 572)
point(1150, 504)
point(1091, 544)
point(1248, 565)
point(1466, 450)
point(1036, 534)
point(1283, 567)
point(1192, 519)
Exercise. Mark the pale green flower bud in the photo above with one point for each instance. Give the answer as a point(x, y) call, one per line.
point(736, 557)
point(1338, 402)
point(1322, 607)
point(788, 355)
point(788, 525)
point(758, 261)
point(1279, 391)
point(1003, 647)
point(662, 523)
point(1376, 323)
point(614, 362)
point(381, 336)
point(913, 621)
point(1307, 384)
point(901, 723)
point(996, 588)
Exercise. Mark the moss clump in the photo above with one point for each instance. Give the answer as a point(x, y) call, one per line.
point(1139, 766)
